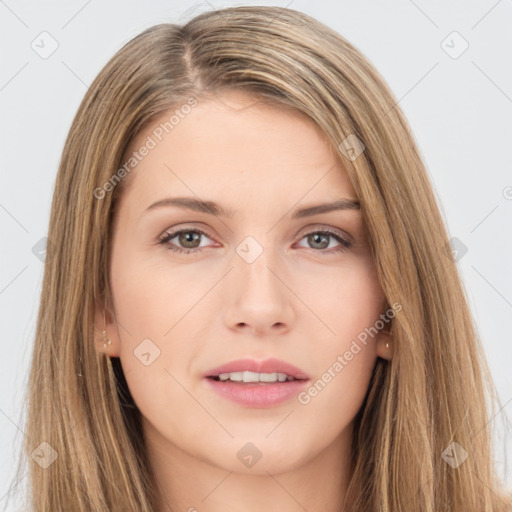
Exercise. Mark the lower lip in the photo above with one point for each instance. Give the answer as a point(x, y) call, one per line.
point(258, 395)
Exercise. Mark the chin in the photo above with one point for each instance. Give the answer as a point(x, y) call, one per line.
point(260, 456)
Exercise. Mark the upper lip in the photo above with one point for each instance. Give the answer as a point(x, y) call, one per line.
point(251, 365)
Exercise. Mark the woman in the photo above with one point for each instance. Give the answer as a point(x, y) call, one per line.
point(249, 301)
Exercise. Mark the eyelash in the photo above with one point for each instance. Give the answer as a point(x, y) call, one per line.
point(345, 244)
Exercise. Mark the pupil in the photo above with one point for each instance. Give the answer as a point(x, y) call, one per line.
point(186, 239)
point(315, 239)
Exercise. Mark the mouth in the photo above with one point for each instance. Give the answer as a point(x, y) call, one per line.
point(256, 384)
point(247, 377)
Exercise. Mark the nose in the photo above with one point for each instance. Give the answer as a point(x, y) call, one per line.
point(259, 300)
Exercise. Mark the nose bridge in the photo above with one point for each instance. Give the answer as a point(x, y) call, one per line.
point(261, 300)
point(255, 259)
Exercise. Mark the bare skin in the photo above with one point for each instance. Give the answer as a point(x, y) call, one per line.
point(300, 300)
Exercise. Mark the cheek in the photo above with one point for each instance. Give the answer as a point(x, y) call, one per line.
point(158, 311)
point(346, 357)
point(349, 303)
point(150, 297)
point(345, 298)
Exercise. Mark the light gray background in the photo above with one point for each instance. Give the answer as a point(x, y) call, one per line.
point(460, 110)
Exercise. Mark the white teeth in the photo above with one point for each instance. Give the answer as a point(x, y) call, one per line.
point(268, 377)
point(247, 376)
point(250, 377)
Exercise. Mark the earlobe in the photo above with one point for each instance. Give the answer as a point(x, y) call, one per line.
point(385, 345)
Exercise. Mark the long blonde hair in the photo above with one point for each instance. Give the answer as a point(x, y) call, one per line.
point(433, 393)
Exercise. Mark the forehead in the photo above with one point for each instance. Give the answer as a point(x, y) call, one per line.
point(235, 143)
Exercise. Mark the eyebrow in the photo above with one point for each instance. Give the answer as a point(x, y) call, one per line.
point(213, 208)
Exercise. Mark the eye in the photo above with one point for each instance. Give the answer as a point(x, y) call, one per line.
point(190, 240)
point(320, 239)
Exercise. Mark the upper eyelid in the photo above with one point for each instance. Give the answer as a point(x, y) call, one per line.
point(173, 232)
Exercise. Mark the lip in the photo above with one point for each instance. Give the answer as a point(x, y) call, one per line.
point(266, 366)
point(255, 394)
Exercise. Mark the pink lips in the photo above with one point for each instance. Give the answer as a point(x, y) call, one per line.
point(257, 394)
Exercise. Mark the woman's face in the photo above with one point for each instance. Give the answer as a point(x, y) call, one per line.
point(252, 279)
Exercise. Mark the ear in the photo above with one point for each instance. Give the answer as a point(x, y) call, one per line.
point(384, 338)
point(104, 321)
